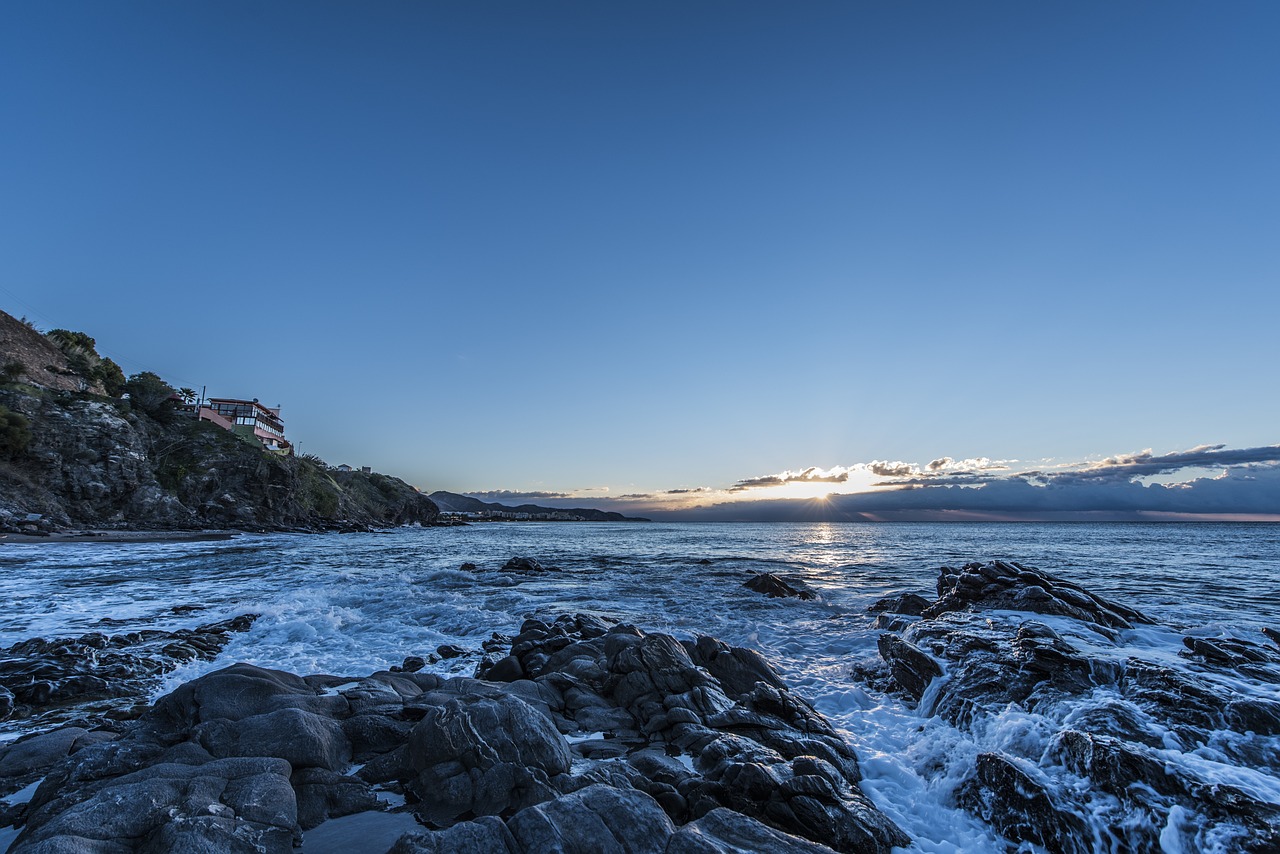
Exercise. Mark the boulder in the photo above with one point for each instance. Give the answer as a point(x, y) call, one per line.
point(599, 819)
point(911, 604)
point(483, 756)
point(1020, 808)
point(776, 588)
point(1013, 586)
point(724, 831)
point(911, 666)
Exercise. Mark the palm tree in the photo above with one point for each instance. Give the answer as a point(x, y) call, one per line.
point(188, 395)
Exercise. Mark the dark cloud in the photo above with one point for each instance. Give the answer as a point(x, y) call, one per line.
point(634, 496)
point(884, 468)
point(687, 491)
point(1146, 464)
point(939, 464)
point(813, 474)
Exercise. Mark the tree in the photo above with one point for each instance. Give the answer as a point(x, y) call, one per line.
point(151, 395)
point(15, 433)
point(112, 378)
point(188, 395)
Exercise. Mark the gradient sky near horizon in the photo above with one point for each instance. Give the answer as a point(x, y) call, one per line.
point(610, 249)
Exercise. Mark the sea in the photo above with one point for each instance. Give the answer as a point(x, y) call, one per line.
point(350, 604)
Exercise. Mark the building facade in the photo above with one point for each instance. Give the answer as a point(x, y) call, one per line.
point(249, 418)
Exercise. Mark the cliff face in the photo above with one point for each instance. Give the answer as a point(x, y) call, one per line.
point(91, 462)
point(36, 360)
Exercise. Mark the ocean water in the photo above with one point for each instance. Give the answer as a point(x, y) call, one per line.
point(348, 604)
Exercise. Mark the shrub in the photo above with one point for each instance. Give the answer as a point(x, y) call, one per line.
point(151, 395)
point(112, 378)
point(15, 433)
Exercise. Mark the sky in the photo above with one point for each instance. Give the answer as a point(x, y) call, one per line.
point(601, 250)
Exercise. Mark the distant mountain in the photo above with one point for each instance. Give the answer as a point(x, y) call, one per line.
point(451, 502)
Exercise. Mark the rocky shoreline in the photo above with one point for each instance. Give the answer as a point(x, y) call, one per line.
point(1137, 739)
point(583, 735)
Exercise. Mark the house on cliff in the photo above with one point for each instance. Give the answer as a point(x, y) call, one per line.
point(250, 419)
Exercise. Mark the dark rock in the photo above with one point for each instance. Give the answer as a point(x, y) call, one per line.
point(237, 692)
point(323, 795)
point(723, 831)
point(238, 805)
point(448, 650)
point(485, 835)
point(593, 820)
point(890, 623)
point(1001, 585)
point(1145, 781)
point(303, 739)
point(45, 681)
point(468, 567)
point(774, 587)
point(1272, 635)
point(911, 604)
point(413, 663)
point(736, 669)
point(912, 667)
point(468, 754)
point(523, 564)
point(1121, 720)
point(1020, 808)
point(506, 669)
point(482, 756)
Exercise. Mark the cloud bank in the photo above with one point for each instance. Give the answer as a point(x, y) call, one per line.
point(1246, 484)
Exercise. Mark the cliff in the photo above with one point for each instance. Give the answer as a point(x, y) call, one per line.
point(79, 459)
point(90, 462)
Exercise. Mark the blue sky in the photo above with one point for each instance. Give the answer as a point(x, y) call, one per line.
point(605, 249)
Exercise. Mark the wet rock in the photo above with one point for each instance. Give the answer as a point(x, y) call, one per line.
point(1013, 586)
point(413, 663)
point(484, 761)
point(776, 588)
point(44, 681)
point(736, 669)
point(1272, 635)
point(526, 564)
point(911, 604)
point(1020, 808)
point(448, 650)
point(239, 805)
point(468, 567)
point(912, 667)
point(1122, 720)
point(323, 795)
point(1146, 781)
